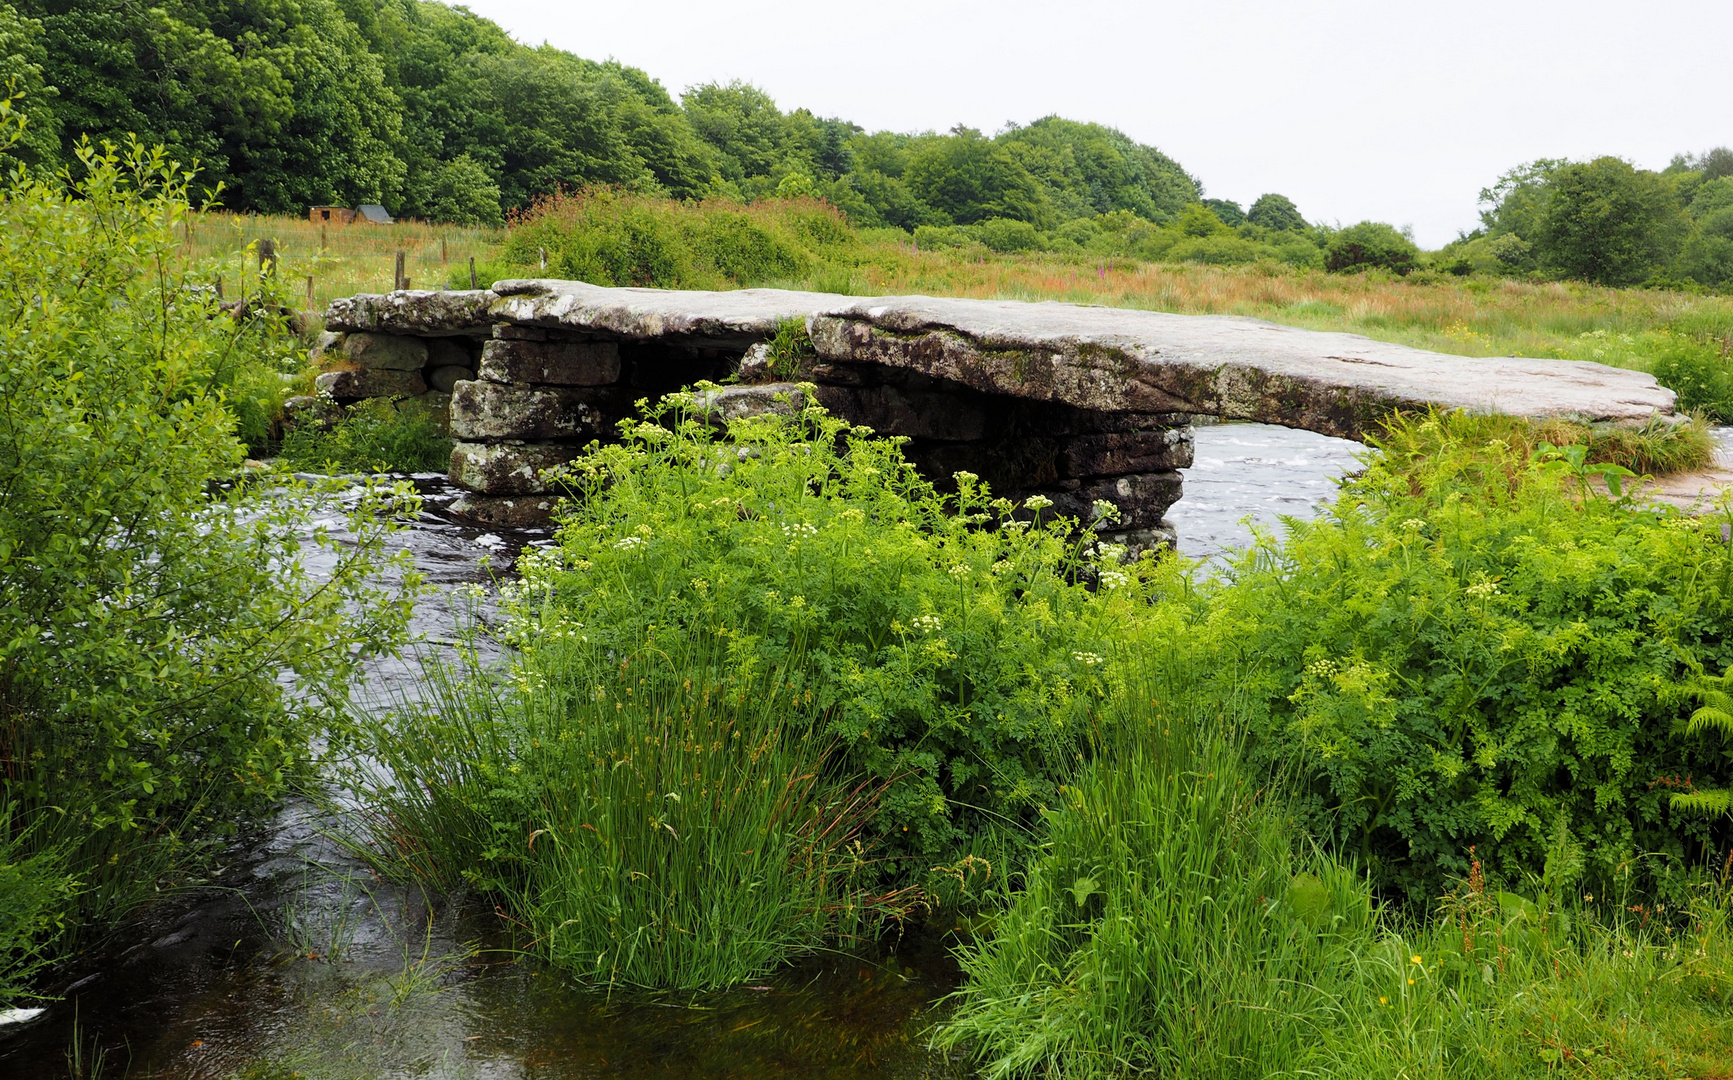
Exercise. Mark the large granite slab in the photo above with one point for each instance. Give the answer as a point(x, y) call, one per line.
point(1111, 359)
point(1093, 358)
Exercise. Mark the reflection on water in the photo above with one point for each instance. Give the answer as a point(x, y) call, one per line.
point(299, 961)
point(1258, 471)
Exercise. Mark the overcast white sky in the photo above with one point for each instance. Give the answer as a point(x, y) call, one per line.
point(1393, 111)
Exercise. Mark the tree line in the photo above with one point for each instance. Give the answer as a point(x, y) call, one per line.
point(1608, 222)
point(439, 114)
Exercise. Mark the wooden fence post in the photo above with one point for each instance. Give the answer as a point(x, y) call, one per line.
point(268, 257)
point(472, 271)
point(397, 274)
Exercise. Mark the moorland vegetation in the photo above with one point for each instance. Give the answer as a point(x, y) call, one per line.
point(1435, 784)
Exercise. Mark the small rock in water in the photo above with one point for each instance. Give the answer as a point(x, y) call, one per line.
point(19, 1016)
point(489, 540)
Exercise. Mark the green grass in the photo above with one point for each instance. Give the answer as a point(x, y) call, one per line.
point(688, 835)
point(376, 435)
point(1180, 925)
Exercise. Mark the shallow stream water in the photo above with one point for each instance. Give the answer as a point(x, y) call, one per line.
point(296, 960)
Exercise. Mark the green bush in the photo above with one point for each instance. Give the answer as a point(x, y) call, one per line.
point(1370, 245)
point(154, 605)
point(949, 644)
point(604, 239)
point(1007, 236)
point(1472, 648)
point(934, 237)
point(614, 238)
point(741, 250)
point(1700, 372)
point(376, 435)
point(1300, 252)
point(1226, 250)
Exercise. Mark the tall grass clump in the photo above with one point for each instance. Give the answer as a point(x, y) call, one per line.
point(1658, 447)
point(1178, 924)
point(650, 833)
point(1172, 925)
point(166, 656)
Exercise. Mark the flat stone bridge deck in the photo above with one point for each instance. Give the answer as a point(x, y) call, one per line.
point(1076, 402)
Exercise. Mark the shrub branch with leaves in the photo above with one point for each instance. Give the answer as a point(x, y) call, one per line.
point(151, 598)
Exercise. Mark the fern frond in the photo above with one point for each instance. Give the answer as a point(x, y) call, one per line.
point(1709, 717)
point(1714, 698)
point(1712, 803)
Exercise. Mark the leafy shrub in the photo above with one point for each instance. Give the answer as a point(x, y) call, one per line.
point(608, 237)
point(1198, 220)
point(1370, 245)
point(1007, 236)
point(150, 599)
point(934, 237)
point(1083, 232)
point(1472, 648)
point(1301, 253)
point(1700, 372)
point(604, 239)
point(741, 250)
point(1219, 250)
point(1276, 212)
point(376, 435)
point(948, 643)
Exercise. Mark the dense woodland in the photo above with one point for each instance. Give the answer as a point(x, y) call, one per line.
point(438, 114)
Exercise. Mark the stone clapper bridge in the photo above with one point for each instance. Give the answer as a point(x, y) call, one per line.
point(1073, 402)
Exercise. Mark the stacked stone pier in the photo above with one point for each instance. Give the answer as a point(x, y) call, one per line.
point(1084, 405)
